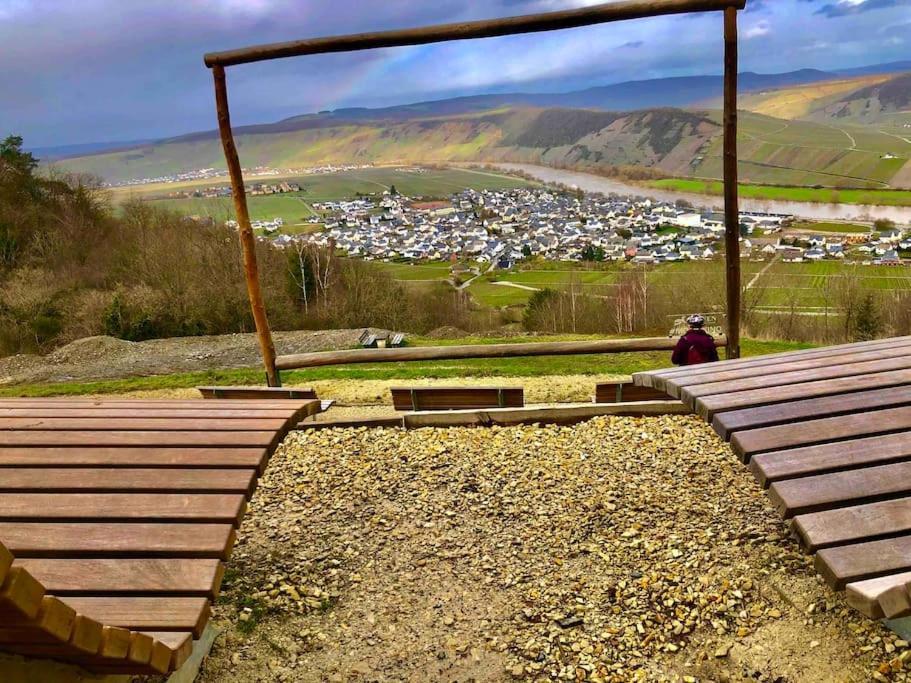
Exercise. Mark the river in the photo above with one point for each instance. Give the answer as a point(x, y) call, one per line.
point(821, 212)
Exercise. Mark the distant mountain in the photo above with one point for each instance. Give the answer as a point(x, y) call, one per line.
point(54, 153)
point(889, 68)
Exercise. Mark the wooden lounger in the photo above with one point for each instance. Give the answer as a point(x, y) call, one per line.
point(116, 518)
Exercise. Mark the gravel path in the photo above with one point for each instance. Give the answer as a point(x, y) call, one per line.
point(620, 549)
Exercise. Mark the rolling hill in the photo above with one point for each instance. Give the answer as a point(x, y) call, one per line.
point(804, 127)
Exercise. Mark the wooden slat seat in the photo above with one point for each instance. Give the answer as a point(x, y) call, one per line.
point(830, 457)
point(627, 392)
point(116, 518)
point(127, 457)
point(782, 413)
point(456, 398)
point(828, 431)
point(114, 539)
point(841, 489)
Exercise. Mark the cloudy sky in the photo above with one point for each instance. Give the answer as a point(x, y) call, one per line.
point(102, 70)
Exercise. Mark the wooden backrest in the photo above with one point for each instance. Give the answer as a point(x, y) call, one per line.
point(456, 398)
point(247, 393)
point(627, 392)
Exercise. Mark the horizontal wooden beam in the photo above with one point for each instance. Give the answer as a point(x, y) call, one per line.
point(490, 28)
point(417, 353)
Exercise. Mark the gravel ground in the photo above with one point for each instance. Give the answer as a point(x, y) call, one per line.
point(620, 549)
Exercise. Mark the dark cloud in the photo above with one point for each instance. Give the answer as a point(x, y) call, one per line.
point(633, 43)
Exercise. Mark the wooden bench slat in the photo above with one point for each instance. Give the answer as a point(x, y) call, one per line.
point(151, 457)
point(104, 576)
point(864, 595)
point(847, 564)
point(627, 392)
point(691, 394)
point(140, 424)
point(709, 406)
point(869, 423)
point(140, 438)
point(830, 457)
point(766, 359)
point(722, 372)
point(147, 413)
point(764, 416)
point(854, 524)
point(146, 614)
point(840, 489)
point(151, 404)
point(136, 480)
point(152, 507)
point(73, 539)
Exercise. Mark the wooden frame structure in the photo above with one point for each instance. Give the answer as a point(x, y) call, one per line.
point(549, 21)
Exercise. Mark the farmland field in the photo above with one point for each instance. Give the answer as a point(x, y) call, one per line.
point(417, 272)
point(798, 194)
point(296, 207)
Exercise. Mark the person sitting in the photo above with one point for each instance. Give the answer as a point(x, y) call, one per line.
point(696, 346)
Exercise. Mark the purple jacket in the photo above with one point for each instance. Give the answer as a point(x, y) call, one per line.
point(696, 346)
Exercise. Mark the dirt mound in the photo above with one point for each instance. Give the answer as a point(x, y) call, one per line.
point(97, 358)
point(90, 349)
point(447, 332)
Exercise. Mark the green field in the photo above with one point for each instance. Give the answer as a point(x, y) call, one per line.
point(417, 272)
point(296, 207)
point(797, 194)
point(843, 228)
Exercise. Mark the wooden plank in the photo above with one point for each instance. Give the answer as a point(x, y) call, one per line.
point(691, 394)
point(146, 614)
point(85, 638)
point(21, 593)
point(896, 602)
point(353, 423)
point(146, 413)
point(6, 561)
point(122, 576)
point(623, 392)
point(136, 507)
point(126, 480)
point(456, 398)
point(246, 393)
point(846, 564)
point(155, 404)
point(142, 438)
point(646, 378)
point(864, 595)
point(140, 424)
point(82, 540)
point(180, 645)
point(840, 489)
point(149, 457)
point(752, 441)
point(722, 372)
point(854, 524)
point(841, 404)
point(709, 406)
point(830, 457)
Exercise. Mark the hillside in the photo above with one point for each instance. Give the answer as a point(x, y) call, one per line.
point(664, 139)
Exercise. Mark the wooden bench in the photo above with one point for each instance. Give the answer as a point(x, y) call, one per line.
point(113, 538)
point(828, 432)
point(627, 392)
point(456, 398)
point(255, 393)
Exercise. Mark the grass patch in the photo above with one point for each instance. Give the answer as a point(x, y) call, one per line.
point(845, 228)
point(795, 194)
point(595, 364)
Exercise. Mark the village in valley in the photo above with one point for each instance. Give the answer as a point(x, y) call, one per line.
point(504, 227)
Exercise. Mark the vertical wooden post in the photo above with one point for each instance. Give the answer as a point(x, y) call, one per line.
point(247, 239)
point(731, 208)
